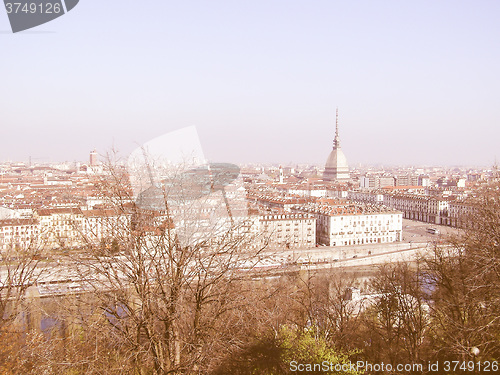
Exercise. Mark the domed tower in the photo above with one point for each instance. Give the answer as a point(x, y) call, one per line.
point(336, 168)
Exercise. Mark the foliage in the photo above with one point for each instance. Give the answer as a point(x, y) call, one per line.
point(282, 353)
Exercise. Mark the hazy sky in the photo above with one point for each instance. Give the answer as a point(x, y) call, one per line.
point(415, 82)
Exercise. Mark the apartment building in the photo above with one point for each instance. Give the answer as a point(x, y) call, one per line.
point(287, 231)
point(19, 234)
point(352, 224)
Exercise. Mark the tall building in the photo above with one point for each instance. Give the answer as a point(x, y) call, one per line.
point(336, 168)
point(93, 158)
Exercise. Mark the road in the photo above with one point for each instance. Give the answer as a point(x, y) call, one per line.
point(416, 231)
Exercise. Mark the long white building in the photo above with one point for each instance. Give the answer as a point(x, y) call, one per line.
point(351, 224)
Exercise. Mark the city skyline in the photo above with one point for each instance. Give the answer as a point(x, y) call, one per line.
point(415, 84)
point(34, 160)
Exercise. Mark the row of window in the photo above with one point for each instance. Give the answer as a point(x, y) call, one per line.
point(362, 241)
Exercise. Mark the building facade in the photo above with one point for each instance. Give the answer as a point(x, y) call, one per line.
point(19, 234)
point(288, 231)
point(352, 224)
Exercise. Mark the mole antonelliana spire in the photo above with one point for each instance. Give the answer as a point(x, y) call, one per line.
point(336, 168)
point(336, 140)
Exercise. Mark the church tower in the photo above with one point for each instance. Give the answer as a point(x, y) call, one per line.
point(336, 168)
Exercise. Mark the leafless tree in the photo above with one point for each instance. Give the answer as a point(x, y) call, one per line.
point(176, 271)
point(466, 277)
point(396, 316)
point(339, 309)
point(19, 270)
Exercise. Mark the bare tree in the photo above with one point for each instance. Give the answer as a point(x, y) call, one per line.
point(397, 315)
point(175, 273)
point(19, 271)
point(466, 279)
point(339, 309)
